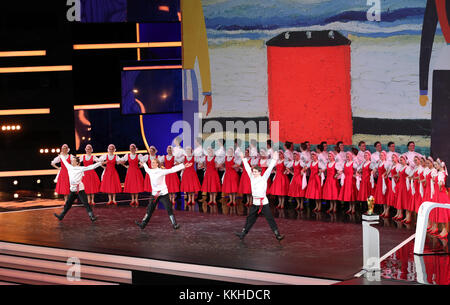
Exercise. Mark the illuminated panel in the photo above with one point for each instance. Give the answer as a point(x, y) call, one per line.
point(23, 53)
point(25, 111)
point(35, 69)
point(43, 172)
point(130, 45)
point(96, 106)
point(137, 68)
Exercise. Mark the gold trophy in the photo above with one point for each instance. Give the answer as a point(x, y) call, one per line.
point(370, 204)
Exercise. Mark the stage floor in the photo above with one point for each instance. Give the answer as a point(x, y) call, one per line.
point(316, 245)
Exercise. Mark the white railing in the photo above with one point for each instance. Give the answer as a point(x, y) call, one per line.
point(422, 222)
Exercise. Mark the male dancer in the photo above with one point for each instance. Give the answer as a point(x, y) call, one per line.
point(260, 201)
point(76, 173)
point(159, 190)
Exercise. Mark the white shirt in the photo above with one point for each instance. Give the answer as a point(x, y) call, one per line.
point(410, 157)
point(289, 155)
point(376, 156)
point(58, 159)
point(76, 174)
point(360, 157)
point(132, 157)
point(179, 153)
point(259, 184)
point(158, 179)
point(323, 159)
point(109, 157)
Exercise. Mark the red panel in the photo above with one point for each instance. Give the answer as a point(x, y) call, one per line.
point(309, 93)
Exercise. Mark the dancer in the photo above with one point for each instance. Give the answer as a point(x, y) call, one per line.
point(211, 181)
point(348, 189)
point(245, 187)
point(404, 199)
point(280, 184)
point(429, 173)
point(314, 189)
point(189, 180)
point(62, 179)
point(160, 193)
point(148, 158)
point(90, 180)
point(172, 180)
point(134, 181)
point(75, 174)
point(364, 178)
point(230, 180)
point(260, 201)
point(393, 191)
point(381, 188)
point(442, 215)
point(330, 189)
point(110, 178)
point(296, 188)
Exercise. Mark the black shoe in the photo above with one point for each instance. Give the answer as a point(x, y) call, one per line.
point(174, 222)
point(140, 224)
point(92, 217)
point(60, 217)
point(241, 234)
point(278, 236)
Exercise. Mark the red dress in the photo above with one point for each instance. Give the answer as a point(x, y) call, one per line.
point(263, 170)
point(230, 178)
point(147, 182)
point(134, 181)
point(110, 182)
point(403, 200)
point(295, 187)
point(380, 198)
point(391, 197)
point(280, 184)
point(90, 179)
point(330, 189)
point(441, 196)
point(417, 196)
point(348, 190)
point(427, 190)
point(63, 184)
point(314, 189)
point(189, 179)
point(211, 180)
point(245, 186)
point(172, 180)
point(365, 187)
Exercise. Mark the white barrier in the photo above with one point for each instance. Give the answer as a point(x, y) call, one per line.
point(422, 222)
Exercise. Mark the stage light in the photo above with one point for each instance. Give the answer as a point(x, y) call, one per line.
point(83, 138)
point(13, 127)
point(58, 150)
point(41, 151)
point(3, 127)
point(15, 182)
point(164, 96)
point(46, 151)
point(53, 150)
point(39, 194)
point(8, 127)
point(16, 195)
point(18, 127)
point(135, 90)
point(89, 139)
point(38, 181)
point(55, 193)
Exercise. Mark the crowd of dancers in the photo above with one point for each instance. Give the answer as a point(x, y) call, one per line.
point(397, 182)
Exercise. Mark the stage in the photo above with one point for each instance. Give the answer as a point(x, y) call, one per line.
point(318, 248)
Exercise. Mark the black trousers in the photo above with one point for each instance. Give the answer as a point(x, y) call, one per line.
point(153, 203)
point(253, 215)
point(72, 196)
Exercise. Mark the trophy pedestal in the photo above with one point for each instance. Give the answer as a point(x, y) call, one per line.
point(373, 217)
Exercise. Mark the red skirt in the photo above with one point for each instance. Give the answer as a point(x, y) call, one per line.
point(173, 183)
point(380, 198)
point(391, 197)
point(314, 189)
point(134, 182)
point(190, 182)
point(295, 187)
point(230, 182)
point(91, 182)
point(330, 190)
point(245, 186)
point(110, 183)
point(348, 190)
point(441, 215)
point(211, 182)
point(280, 185)
point(365, 190)
point(147, 184)
point(63, 184)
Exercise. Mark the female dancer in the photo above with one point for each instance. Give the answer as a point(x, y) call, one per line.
point(393, 191)
point(415, 184)
point(189, 180)
point(172, 180)
point(160, 191)
point(211, 180)
point(90, 179)
point(404, 199)
point(348, 189)
point(331, 187)
point(62, 179)
point(110, 178)
point(296, 189)
point(148, 158)
point(314, 189)
point(245, 187)
point(364, 177)
point(381, 188)
point(429, 173)
point(134, 181)
point(442, 215)
point(280, 184)
point(230, 180)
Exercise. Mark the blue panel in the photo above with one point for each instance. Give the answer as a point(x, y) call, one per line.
point(157, 129)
